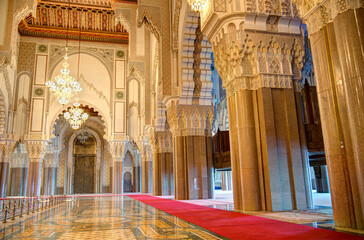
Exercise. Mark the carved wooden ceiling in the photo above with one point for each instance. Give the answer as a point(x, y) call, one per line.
point(88, 20)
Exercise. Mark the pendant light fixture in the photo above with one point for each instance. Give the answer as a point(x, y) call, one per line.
point(64, 86)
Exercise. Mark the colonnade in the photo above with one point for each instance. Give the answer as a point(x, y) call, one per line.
point(261, 71)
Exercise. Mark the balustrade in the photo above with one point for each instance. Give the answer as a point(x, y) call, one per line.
point(11, 208)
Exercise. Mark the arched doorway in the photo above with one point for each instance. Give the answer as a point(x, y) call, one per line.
point(127, 182)
point(131, 173)
point(84, 165)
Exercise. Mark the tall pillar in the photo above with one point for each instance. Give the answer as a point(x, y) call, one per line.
point(36, 150)
point(117, 151)
point(257, 69)
point(146, 160)
point(191, 127)
point(6, 150)
point(161, 142)
point(224, 183)
point(50, 169)
point(146, 173)
point(337, 49)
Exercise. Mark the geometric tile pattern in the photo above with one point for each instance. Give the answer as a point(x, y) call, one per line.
point(103, 218)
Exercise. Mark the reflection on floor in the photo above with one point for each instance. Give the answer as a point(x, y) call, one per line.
point(321, 199)
point(103, 218)
point(321, 217)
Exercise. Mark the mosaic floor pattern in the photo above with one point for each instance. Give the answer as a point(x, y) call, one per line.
point(103, 218)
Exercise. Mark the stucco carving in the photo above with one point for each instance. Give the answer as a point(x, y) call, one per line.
point(250, 63)
point(106, 55)
point(29, 7)
point(117, 150)
point(190, 120)
point(36, 150)
point(6, 150)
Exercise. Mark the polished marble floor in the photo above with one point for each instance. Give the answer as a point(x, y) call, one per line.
point(103, 218)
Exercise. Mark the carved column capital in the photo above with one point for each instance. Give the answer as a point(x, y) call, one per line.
point(257, 60)
point(6, 150)
point(117, 150)
point(160, 141)
point(36, 150)
point(190, 120)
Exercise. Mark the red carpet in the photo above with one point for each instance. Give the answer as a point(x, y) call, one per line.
point(235, 225)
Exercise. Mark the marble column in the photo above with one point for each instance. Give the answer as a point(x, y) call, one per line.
point(117, 151)
point(147, 169)
point(258, 70)
point(49, 170)
point(143, 151)
point(118, 177)
point(192, 150)
point(145, 174)
point(224, 183)
point(229, 181)
point(163, 174)
point(157, 181)
point(337, 54)
point(162, 165)
point(4, 172)
point(6, 150)
point(36, 150)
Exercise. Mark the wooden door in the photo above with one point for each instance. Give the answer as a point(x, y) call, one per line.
point(84, 174)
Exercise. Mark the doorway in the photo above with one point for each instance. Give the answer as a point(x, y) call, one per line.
point(84, 174)
point(84, 165)
point(127, 182)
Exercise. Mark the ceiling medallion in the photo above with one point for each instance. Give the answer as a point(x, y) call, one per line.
point(75, 116)
point(197, 5)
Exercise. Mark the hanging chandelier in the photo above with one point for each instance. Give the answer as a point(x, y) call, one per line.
point(197, 5)
point(75, 116)
point(83, 136)
point(64, 86)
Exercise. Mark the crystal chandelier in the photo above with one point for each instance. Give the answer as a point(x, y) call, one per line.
point(83, 136)
point(197, 5)
point(75, 116)
point(64, 86)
